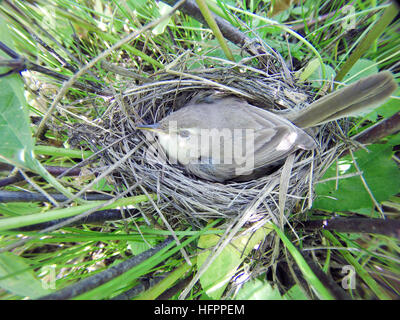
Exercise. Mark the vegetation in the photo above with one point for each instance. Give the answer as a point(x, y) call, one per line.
point(70, 58)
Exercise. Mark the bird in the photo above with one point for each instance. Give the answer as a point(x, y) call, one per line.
point(225, 138)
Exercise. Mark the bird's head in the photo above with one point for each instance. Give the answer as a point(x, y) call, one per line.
point(179, 137)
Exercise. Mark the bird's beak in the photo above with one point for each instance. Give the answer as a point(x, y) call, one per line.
point(155, 127)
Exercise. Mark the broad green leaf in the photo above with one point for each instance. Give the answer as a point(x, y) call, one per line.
point(163, 9)
point(258, 290)
point(295, 293)
point(313, 72)
point(17, 143)
point(215, 279)
point(362, 68)
point(16, 146)
point(308, 70)
point(218, 52)
point(300, 10)
point(388, 109)
point(282, 16)
point(18, 278)
point(381, 174)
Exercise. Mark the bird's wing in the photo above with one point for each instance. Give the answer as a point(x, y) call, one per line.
point(207, 170)
point(251, 150)
point(271, 145)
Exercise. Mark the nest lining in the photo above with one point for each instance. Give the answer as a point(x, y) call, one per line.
point(187, 197)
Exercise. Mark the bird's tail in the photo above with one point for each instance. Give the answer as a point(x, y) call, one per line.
point(356, 99)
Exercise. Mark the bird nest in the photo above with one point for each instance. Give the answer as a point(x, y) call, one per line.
point(132, 162)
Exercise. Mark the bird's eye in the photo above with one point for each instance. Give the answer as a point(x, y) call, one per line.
point(184, 133)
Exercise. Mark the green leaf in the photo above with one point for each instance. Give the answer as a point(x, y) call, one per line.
point(215, 279)
point(308, 70)
point(388, 109)
point(17, 145)
point(301, 10)
point(295, 293)
point(163, 9)
point(217, 276)
point(313, 73)
point(282, 16)
point(18, 278)
point(380, 172)
point(216, 50)
point(17, 142)
point(258, 290)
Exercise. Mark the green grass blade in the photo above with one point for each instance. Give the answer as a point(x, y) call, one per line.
point(62, 152)
point(387, 17)
point(163, 285)
point(360, 270)
point(25, 220)
point(322, 292)
point(214, 27)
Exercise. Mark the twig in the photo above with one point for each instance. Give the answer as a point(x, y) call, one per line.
point(54, 170)
point(169, 293)
point(71, 219)
point(327, 280)
point(38, 188)
point(142, 286)
point(228, 31)
point(25, 196)
point(380, 130)
point(19, 63)
point(388, 227)
point(97, 217)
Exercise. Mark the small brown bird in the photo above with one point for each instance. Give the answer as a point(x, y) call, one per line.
point(222, 139)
